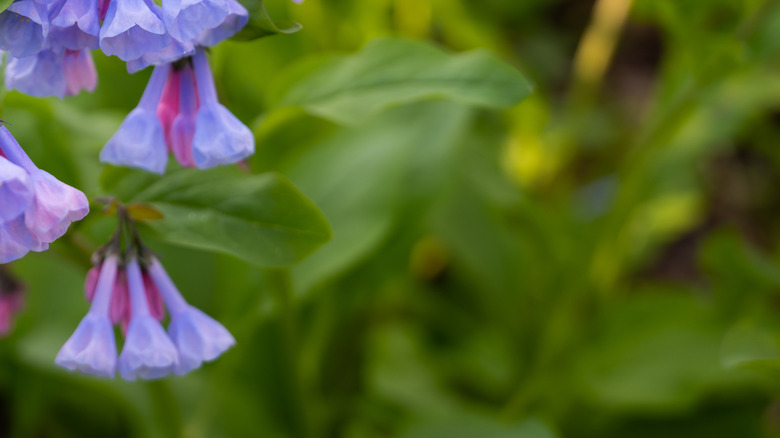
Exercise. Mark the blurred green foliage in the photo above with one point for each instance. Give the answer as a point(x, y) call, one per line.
point(600, 260)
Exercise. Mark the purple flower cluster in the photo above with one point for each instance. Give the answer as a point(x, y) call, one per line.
point(36, 208)
point(131, 295)
point(179, 112)
point(48, 41)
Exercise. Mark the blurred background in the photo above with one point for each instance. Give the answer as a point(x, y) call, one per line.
point(600, 260)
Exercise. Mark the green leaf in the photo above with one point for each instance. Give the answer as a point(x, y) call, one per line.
point(262, 219)
point(4, 4)
point(388, 72)
point(369, 168)
point(470, 425)
point(261, 25)
point(748, 345)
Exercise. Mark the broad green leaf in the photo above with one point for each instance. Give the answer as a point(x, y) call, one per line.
point(261, 25)
point(262, 219)
point(388, 72)
point(748, 345)
point(656, 351)
point(360, 176)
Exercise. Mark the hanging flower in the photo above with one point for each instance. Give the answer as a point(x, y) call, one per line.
point(140, 142)
point(132, 28)
point(39, 208)
point(130, 288)
point(24, 27)
point(180, 112)
point(49, 73)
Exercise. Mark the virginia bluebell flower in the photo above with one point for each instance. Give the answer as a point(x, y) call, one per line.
point(92, 348)
point(237, 17)
point(188, 19)
point(148, 352)
point(42, 218)
point(220, 138)
point(24, 27)
point(49, 73)
point(180, 112)
point(133, 28)
point(140, 142)
point(131, 295)
point(197, 336)
point(76, 26)
point(128, 287)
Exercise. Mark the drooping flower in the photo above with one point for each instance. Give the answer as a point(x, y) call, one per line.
point(133, 28)
point(92, 349)
point(188, 19)
point(50, 73)
point(198, 337)
point(220, 138)
point(140, 141)
point(24, 27)
point(38, 75)
point(76, 26)
point(130, 288)
point(237, 17)
point(148, 352)
point(44, 209)
point(187, 120)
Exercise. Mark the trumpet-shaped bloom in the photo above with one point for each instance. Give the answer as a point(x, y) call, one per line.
point(92, 349)
point(237, 17)
point(138, 294)
point(38, 75)
point(76, 26)
point(50, 73)
point(180, 113)
point(132, 28)
point(140, 140)
point(148, 353)
point(45, 216)
point(23, 28)
point(188, 19)
point(197, 336)
point(219, 138)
